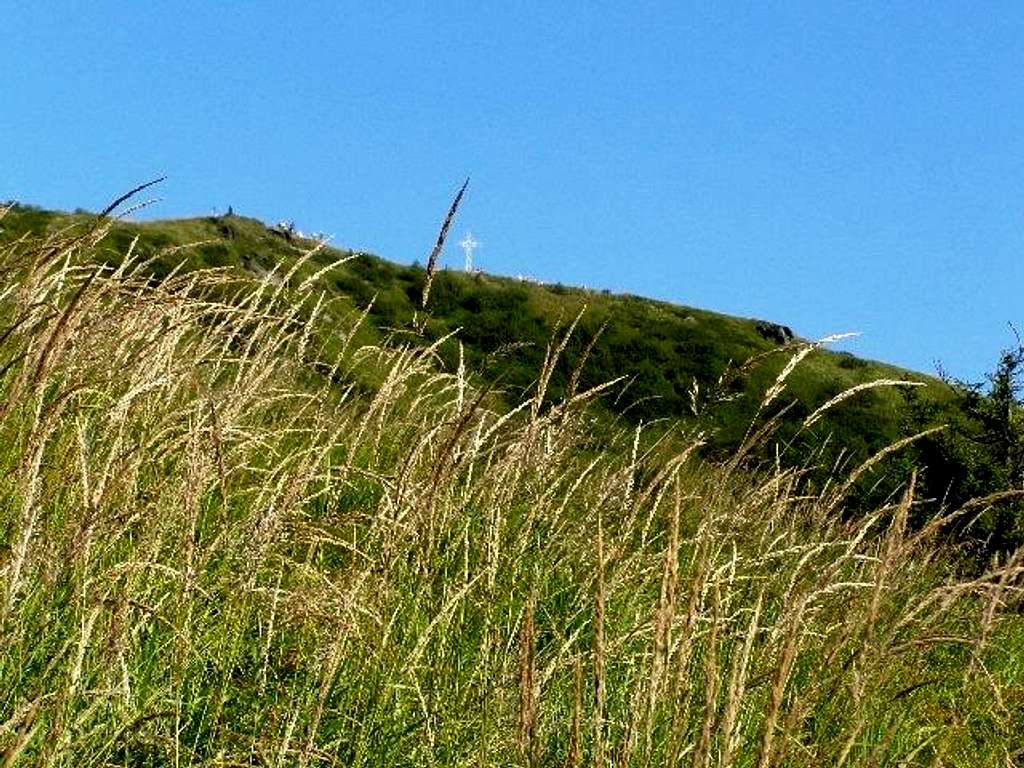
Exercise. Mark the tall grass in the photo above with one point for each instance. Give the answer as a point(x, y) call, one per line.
point(220, 548)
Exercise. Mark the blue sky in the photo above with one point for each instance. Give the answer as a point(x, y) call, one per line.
point(831, 166)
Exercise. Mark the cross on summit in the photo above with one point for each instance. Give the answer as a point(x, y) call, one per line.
point(469, 245)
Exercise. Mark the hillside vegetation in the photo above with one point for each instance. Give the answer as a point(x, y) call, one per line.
point(241, 524)
point(673, 360)
point(672, 363)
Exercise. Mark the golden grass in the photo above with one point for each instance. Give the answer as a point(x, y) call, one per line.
point(216, 555)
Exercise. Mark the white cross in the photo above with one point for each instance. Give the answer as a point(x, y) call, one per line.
point(468, 245)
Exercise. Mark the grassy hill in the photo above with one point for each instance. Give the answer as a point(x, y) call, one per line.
point(242, 526)
point(673, 359)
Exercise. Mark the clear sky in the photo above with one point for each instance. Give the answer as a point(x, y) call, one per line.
point(831, 166)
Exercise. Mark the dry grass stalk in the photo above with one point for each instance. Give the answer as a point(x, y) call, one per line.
point(892, 554)
point(787, 655)
point(129, 194)
point(680, 694)
point(551, 357)
point(574, 378)
point(702, 754)
point(753, 436)
point(600, 680)
point(779, 385)
point(529, 685)
point(439, 245)
point(574, 752)
point(993, 601)
point(731, 724)
point(666, 608)
point(840, 493)
point(848, 393)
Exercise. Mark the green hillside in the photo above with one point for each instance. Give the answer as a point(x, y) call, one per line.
point(242, 526)
point(505, 325)
point(676, 369)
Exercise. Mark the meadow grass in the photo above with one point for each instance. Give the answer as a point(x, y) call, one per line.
point(219, 547)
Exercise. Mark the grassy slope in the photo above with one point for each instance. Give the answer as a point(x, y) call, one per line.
point(211, 556)
point(504, 326)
